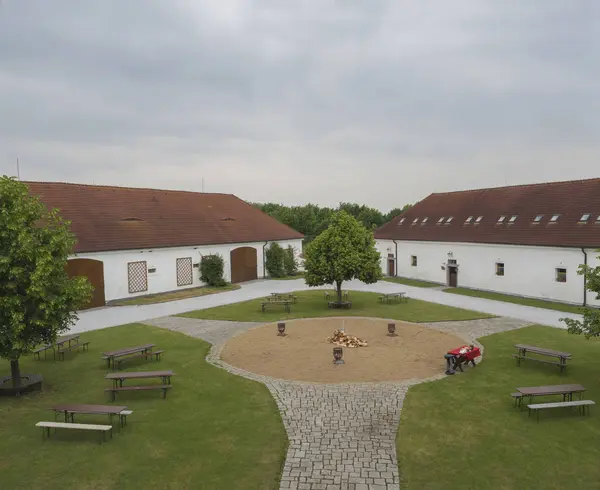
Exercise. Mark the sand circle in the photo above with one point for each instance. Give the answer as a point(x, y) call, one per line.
point(304, 354)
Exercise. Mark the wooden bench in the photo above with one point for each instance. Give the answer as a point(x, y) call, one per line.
point(141, 355)
point(527, 358)
point(518, 397)
point(523, 350)
point(337, 304)
point(43, 349)
point(114, 390)
point(285, 304)
point(62, 350)
point(46, 426)
point(581, 404)
point(123, 416)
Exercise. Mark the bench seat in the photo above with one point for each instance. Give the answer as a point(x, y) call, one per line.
point(123, 416)
point(141, 355)
point(575, 403)
point(285, 304)
point(114, 390)
point(62, 350)
point(46, 426)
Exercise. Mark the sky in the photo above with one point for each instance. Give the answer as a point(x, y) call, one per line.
point(377, 102)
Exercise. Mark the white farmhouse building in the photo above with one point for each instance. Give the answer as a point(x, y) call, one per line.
point(134, 242)
point(526, 240)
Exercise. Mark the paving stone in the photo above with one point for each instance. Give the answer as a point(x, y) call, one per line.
point(341, 436)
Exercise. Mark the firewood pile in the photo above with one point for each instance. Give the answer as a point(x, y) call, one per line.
point(345, 340)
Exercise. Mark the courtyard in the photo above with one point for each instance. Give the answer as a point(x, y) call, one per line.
point(226, 424)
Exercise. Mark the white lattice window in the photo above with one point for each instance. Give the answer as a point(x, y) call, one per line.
point(185, 275)
point(137, 276)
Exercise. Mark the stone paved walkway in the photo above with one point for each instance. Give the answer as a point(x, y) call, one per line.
point(341, 436)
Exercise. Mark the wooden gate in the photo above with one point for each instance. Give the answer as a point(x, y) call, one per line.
point(243, 264)
point(94, 271)
point(391, 265)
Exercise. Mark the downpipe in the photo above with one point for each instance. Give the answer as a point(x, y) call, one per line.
point(395, 259)
point(585, 262)
point(265, 260)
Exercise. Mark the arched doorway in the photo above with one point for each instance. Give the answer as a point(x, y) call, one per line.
point(243, 264)
point(94, 271)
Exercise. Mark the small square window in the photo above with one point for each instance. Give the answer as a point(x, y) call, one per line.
point(513, 219)
point(469, 219)
point(151, 270)
point(479, 218)
point(413, 260)
point(554, 218)
point(501, 219)
point(561, 275)
point(538, 218)
point(449, 219)
point(196, 265)
point(584, 217)
point(499, 268)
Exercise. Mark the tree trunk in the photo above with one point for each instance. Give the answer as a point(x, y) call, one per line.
point(15, 373)
point(338, 286)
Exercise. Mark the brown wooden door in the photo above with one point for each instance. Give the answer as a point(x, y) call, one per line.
point(452, 276)
point(243, 264)
point(391, 268)
point(94, 271)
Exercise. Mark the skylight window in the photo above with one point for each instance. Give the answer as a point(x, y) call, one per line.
point(598, 219)
point(479, 218)
point(584, 217)
point(501, 219)
point(513, 219)
point(441, 219)
point(538, 218)
point(449, 219)
point(415, 220)
point(424, 220)
point(469, 219)
point(554, 218)
point(401, 221)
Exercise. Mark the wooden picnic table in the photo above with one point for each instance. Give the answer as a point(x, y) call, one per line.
point(283, 296)
point(524, 349)
point(70, 409)
point(565, 390)
point(110, 356)
point(345, 294)
point(386, 297)
point(118, 378)
point(58, 344)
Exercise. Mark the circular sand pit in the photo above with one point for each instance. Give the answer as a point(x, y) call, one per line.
point(304, 354)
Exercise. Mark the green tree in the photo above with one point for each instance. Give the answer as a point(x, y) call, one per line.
point(590, 326)
point(38, 300)
point(275, 260)
point(344, 251)
point(289, 262)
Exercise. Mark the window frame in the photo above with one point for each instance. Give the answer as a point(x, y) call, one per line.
point(558, 274)
point(499, 268)
point(413, 261)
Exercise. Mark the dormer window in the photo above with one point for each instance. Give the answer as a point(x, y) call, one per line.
point(538, 218)
point(512, 219)
point(584, 218)
point(469, 219)
point(501, 219)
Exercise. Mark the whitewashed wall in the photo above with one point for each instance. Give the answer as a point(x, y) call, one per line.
point(528, 271)
point(164, 259)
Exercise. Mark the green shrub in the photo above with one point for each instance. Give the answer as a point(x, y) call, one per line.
point(274, 263)
point(289, 262)
point(211, 270)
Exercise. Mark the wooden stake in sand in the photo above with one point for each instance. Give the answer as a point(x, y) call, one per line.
point(342, 338)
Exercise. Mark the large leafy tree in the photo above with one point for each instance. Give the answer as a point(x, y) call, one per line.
point(38, 300)
point(344, 251)
point(590, 326)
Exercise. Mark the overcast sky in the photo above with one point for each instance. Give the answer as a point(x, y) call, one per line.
point(373, 101)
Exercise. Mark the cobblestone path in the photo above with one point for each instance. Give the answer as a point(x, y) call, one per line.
point(341, 436)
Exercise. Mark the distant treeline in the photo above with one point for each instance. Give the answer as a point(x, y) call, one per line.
point(310, 219)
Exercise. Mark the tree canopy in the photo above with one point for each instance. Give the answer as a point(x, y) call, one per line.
point(590, 326)
point(38, 300)
point(344, 251)
point(311, 220)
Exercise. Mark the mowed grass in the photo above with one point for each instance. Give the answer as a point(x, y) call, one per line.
point(462, 432)
point(214, 430)
point(174, 295)
point(538, 303)
point(412, 282)
point(312, 304)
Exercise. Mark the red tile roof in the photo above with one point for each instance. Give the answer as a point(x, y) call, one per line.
point(108, 218)
point(569, 199)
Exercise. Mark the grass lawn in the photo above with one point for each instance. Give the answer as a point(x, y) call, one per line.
point(174, 295)
point(313, 304)
point(462, 432)
point(214, 430)
point(538, 303)
point(412, 282)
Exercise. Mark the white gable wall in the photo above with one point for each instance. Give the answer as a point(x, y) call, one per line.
point(116, 284)
point(528, 271)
